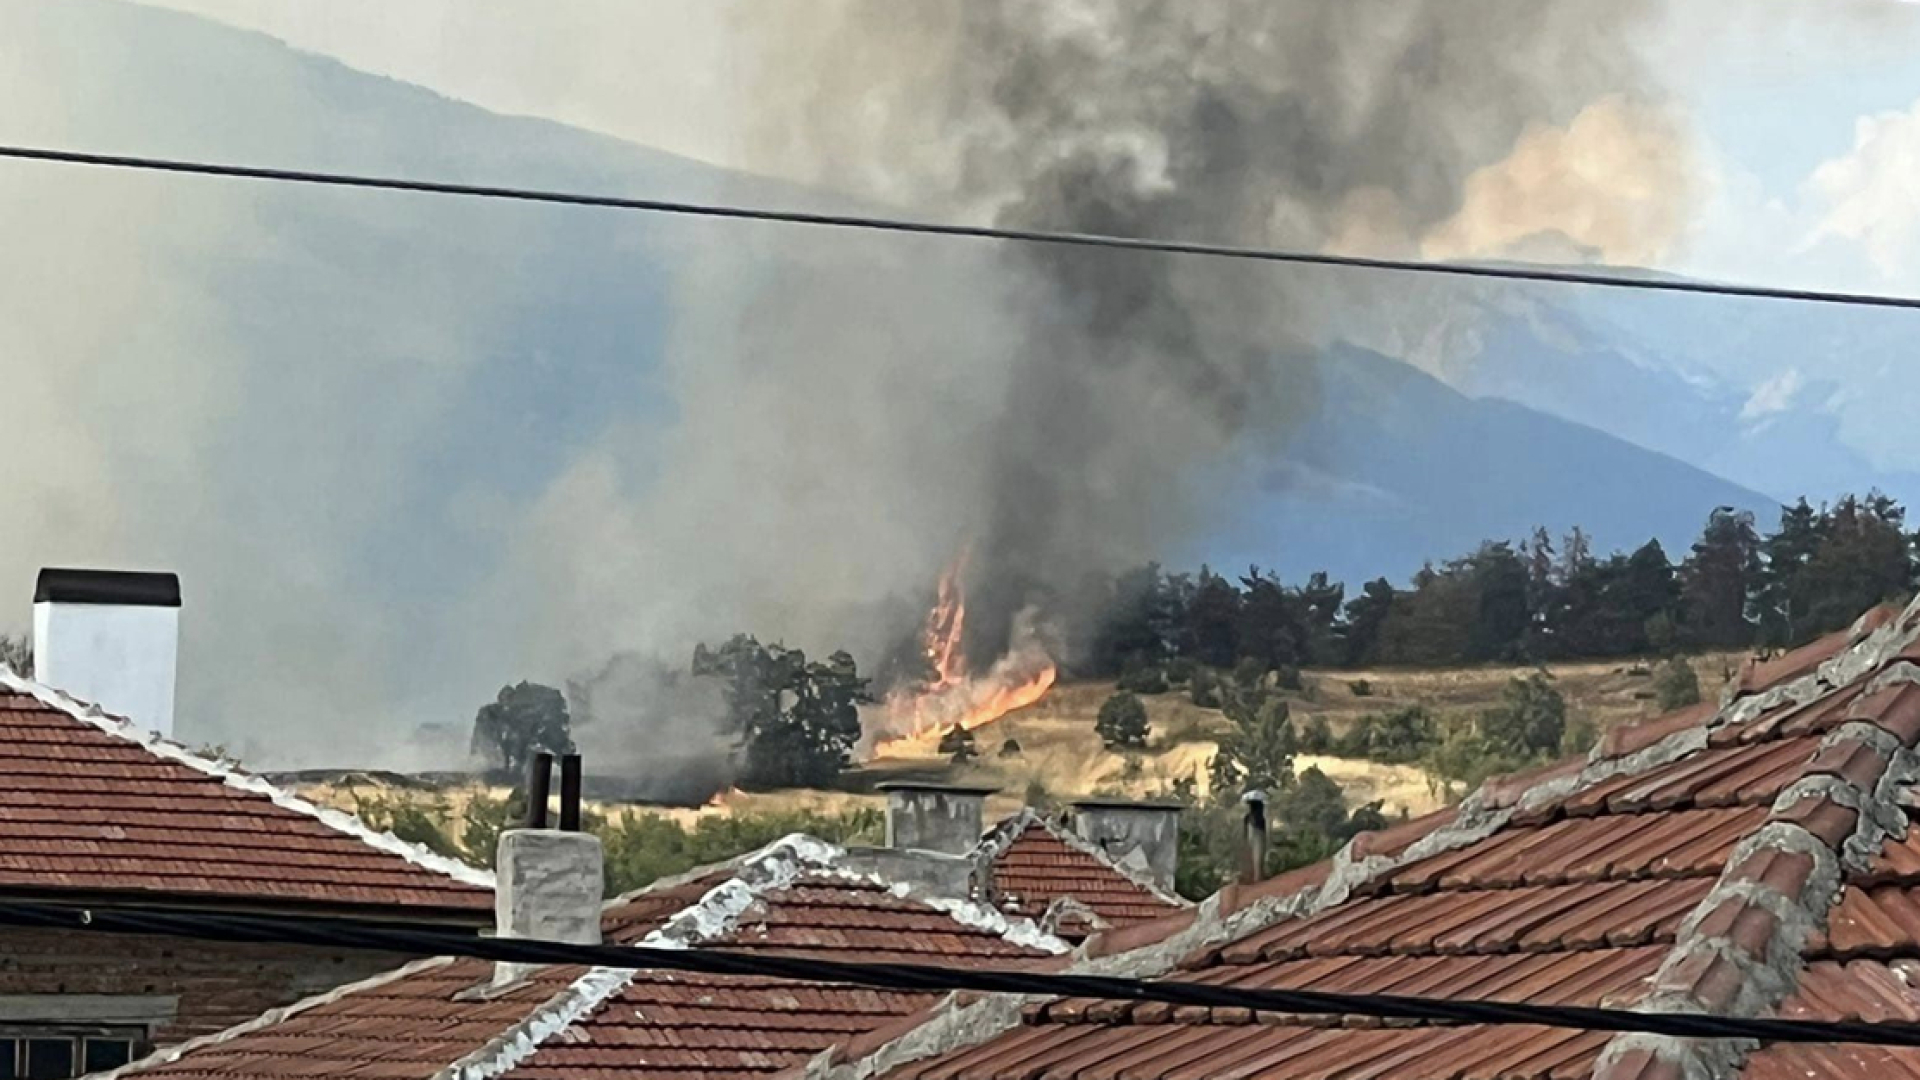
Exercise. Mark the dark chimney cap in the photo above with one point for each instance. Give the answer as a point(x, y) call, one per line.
point(950, 789)
point(1098, 803)
point(121, 587)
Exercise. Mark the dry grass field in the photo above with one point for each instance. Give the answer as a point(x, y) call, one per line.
point(1059, 755)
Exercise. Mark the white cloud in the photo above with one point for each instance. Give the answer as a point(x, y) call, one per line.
point(1867, 196)
point(1774, 396)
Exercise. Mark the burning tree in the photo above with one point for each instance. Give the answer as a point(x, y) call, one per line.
point(952, 696)
point(797, 719)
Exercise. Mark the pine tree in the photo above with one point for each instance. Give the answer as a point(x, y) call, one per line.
point(1782, 597)
point(1717, 580)
point(1366, 614)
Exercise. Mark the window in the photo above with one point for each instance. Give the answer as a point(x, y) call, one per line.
point(57, 1054)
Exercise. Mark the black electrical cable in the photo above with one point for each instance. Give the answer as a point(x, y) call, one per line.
point(414, 940)
point(933, 228)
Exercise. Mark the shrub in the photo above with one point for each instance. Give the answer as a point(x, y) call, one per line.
point(1531, 717)
point(410, 821)
point(1395, 738)
point(1010, 748)
point(641, 848)
point(1361, 687)
point(1144, 679)
point(1316, 736)
point(1122, 723)
point(1204, 688)
point(1676, 686)
point(959, 746)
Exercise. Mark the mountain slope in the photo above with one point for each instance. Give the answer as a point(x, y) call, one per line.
point(1398, 468)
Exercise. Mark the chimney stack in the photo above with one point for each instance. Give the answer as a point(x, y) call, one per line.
point(942, 818)
point(549, 882)
point(1146, 834)
point(110, 637)
point(1253, 852)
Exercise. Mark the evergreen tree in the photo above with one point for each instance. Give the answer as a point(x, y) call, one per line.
point(1782, 602)
point(1863, 558)
point(1366, 614)
point(1319, 602)
point(1133, 627)
point(1576, 553)
point(1435, 623)
point(1718, 578)
point(1499, 582)
point(1648, 590)
point(1213, 620)
point(1272, 632)
point(1545, 594)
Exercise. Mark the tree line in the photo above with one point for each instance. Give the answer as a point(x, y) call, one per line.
point(1538, 600)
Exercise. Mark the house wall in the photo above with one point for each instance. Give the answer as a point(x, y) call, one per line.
point(183, 988)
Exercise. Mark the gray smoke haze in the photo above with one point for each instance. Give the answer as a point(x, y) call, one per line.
point(1135, 382)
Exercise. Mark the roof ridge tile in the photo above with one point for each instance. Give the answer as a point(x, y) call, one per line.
point(1741, 950)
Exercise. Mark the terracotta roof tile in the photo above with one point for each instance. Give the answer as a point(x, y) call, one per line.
point(89, 804)
point(1038, 866)
point(1580, 900)
point(653, 1023)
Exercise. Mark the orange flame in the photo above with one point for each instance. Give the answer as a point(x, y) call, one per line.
point(954, 699)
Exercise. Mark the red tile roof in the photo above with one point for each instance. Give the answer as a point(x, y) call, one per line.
point(1667, 872)
point(93, 806)
point(790, 898)
point(1037, 865)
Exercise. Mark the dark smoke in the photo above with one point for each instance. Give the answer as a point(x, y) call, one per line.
point(651, 732)
point(1141, 379)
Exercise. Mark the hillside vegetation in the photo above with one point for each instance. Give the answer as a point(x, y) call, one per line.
point(1056, 757)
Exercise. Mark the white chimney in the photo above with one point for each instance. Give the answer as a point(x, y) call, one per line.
point(548, 883)
point(112, 638)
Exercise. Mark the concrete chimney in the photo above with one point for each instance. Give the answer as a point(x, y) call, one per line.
point(1253, 851)
point(1145, 835)
point(942, 818)
point(112, 638)
point(548, 882)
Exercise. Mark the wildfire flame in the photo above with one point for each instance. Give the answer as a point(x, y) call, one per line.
point(954, 699)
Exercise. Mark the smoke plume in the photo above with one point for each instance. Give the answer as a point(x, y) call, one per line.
point(1135, 382)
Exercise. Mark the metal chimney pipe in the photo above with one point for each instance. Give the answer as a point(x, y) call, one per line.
point(570, 793)
point(1254, 851)
point(539, 785)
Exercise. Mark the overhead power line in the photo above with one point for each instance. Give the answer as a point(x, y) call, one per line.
point(950, 229)
point(922, 978)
